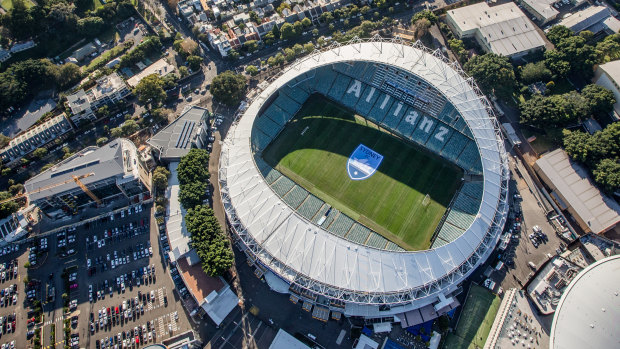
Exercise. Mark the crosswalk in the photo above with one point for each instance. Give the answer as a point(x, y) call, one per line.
point(160, 294)
point(163, 322)
point(51, 321)
point(58, 344)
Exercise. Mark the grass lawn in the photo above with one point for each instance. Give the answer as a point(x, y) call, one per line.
point(390, 201)
point(476, 319)
point(543, 142)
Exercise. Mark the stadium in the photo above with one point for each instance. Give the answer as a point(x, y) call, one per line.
point(367, 179)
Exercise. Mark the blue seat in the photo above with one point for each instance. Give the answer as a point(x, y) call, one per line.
point(339, 87)
point(407, 124)
point(439, 138)
point(377, 113)
point(424, 129)
point(286, 103)
point(268, 126)
point(470, 158)
point(324, 78)
point(472, 189)
point(259, 140)
point(366, 101)
point(350, 99)
point(455, 146)
point(394, 115)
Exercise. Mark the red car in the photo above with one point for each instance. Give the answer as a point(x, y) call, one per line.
point(137, 339)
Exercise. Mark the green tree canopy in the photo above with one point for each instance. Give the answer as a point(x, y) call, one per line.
point(160, 179)
point(8, 207)
point(192, 194)
point(228, 88)
point(600, 100)
point(252, 70)
point(493, 73)
point(607, 174)
point(194, 167)
point(426, 14)
point(287, 31)
point(217, 257)
point(534, 72)
point(150, 90)
point(557, 33)
point(194, 61)
point(39, 153)
point(554, 111)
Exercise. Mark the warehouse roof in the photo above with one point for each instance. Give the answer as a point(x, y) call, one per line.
point(574, 185)
point(586, 18)
point(175, 140)
point(103, 162)
point(543, 8)
point(505, 28)
point(612, 69)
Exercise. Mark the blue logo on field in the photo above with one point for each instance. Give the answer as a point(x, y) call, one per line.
point(363, 163)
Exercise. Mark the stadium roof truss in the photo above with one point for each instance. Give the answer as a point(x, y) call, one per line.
point(318, 262)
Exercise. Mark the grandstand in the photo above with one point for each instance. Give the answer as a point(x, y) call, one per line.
point(320, 251)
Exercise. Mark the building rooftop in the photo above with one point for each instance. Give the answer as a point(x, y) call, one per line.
point(218, 304)
point(107, 85)
point(547, 286)
point(78, 102)
point(284, 340)
point(573, 183)
point(612, 69)
point(586, 18)
point(117, 158)
point(505, 28)
point(588, 313)
point(543, 7)
point(176, 139)
point(178, 235)
point(160, 67)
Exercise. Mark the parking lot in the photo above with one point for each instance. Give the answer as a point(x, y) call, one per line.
point(11, 297)
point(105, 282)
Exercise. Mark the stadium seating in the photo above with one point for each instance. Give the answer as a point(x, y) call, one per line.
point(341, 225)
point(276, 114)
point(473, 190)
point(406, 127)
point(295, 196)
point(358, 233)
point(376, 240)
point(369, 73)
point(323, 81)
point(282, 185)
point(393, 247)
point(470, 158)
point(350, 99)
point(366, 102)
point(297, 94)
point(449, 233)
point(260, 140)
point(287, 104)
point(339, 87)
point(420, 135)
point(310, 207)
point(359, 68)
point(268, 126)
point(272, 175)
point(460, 219)
point(391, 120)
point(438, 243)
point(447, 115)
point(434, 143)
point(454, 147)
point(466, 204)
point(377, 114)
point(330, 217)
point(321, 213)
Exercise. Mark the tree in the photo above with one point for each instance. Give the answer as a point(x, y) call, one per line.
point(194, 166)
point(252, 70)
point(251, 46)
point(315, 32)
point(102, 112)
point(150, 90)
point(607, 174)
point(194, 62)
point(160, 179)
point(8, 207)
point(557, 33)
point(283, 6)
point(68, 74)
point(217, 258)
point(192, 194)
point(102, 141)
point(269, 38)
point(298, 49)
point(326, 17)
point(576, 144)
point(202, 224)
point(309, 47)
point(228, 88)
point(306, 22)
point(534, 72)
point(90, 26)
point(254, 17)
point(600, 100)
point(493, 73)
point(298, 28)
point(183, 71)
point(289, 54)
point(16, 189)
point(4, 140)
point(458, 47)
point(116, 132)
point(554, 111)
point(276, 32)
point(39, 153)
point(288, 31)
point(129, 127)
point(426, 14)
point(608, 49)
point(557, 63)
point(421, 27)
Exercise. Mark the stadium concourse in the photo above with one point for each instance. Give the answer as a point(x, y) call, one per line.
point(328, 260)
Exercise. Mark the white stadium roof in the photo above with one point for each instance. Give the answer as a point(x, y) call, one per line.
point(315, 259)
point(589, 310)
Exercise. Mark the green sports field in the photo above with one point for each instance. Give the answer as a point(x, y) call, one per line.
point(475, 321)
point(390, 201)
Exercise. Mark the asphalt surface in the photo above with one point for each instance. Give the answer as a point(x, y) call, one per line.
point(168, 320)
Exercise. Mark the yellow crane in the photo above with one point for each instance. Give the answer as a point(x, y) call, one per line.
point(75, 179)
